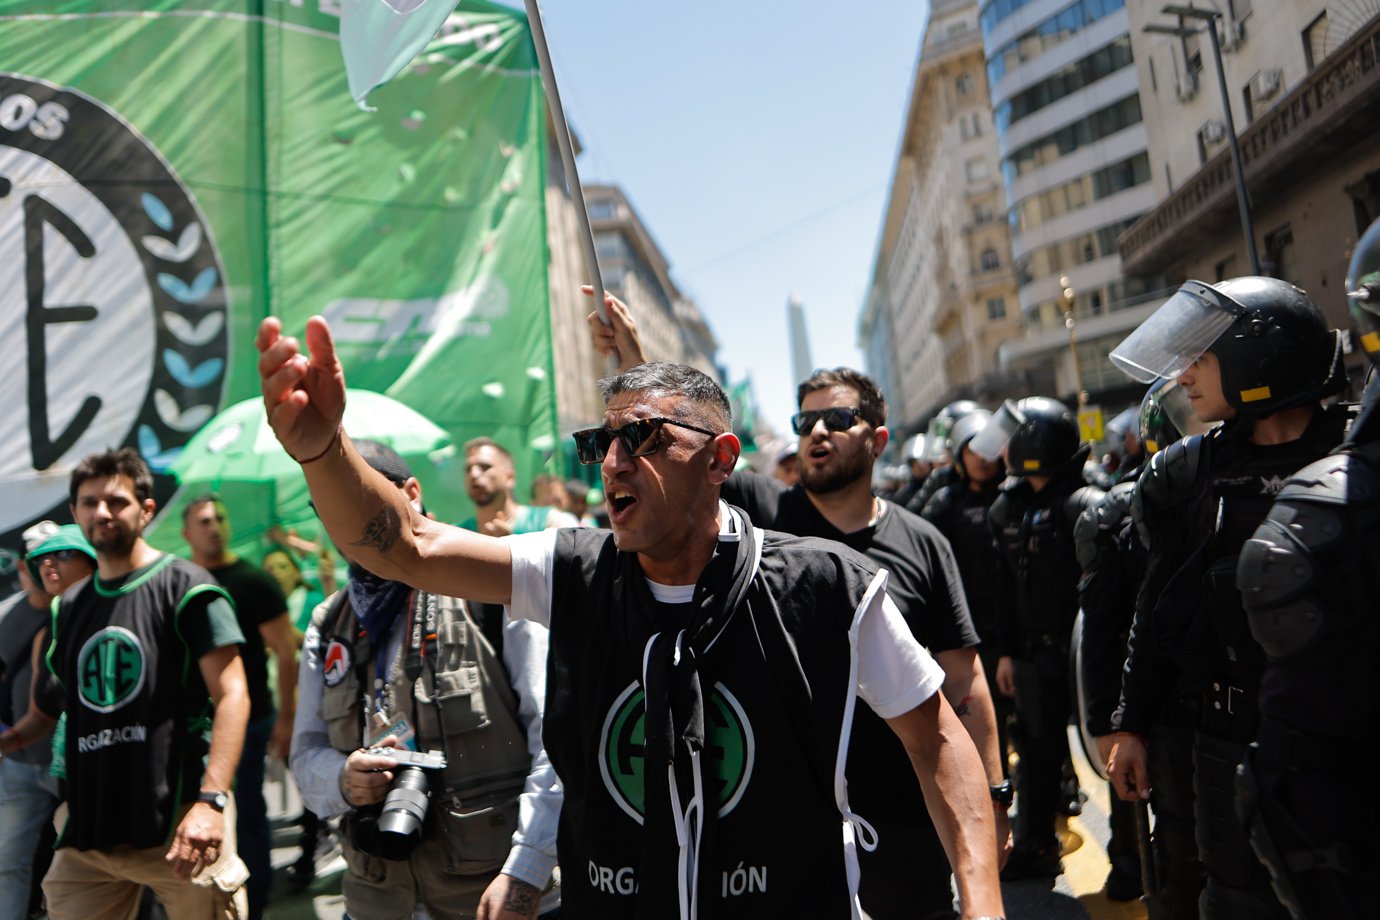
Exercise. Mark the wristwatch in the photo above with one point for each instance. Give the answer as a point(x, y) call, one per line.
point(1003, 793)
point(217, 800)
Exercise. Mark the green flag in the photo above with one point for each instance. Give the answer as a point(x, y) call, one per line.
point(378, 38)
point(172, 172)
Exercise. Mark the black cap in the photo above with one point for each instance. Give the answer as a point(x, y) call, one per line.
point(385, 460)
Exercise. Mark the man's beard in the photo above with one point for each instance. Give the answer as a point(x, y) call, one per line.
point(844, 472)
point(483, 498)
point(114, 543)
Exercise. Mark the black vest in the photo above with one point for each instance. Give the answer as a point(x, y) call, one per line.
point(780, 678)
point(137, 708)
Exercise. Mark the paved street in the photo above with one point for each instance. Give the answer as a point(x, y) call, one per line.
point(1076, 895)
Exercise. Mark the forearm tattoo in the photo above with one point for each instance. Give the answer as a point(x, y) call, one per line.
point(522, 898)
point(381, 532)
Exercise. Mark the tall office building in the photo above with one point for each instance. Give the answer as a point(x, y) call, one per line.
point(802, 365)
point(1067, 107)
point(942, 297)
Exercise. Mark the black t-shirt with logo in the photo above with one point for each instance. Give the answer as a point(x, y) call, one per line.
point(926, 587)
point(125, 666)
point(258, 599)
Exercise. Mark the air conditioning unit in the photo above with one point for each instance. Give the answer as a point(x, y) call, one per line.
point(1212, 132)
point(1266, 85)
point(1186, 86)
point(1233, 35)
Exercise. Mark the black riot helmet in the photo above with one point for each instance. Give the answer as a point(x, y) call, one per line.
point(1046, 439)
point(1271, 341)
point(1166, 416)
point(1363, 292)
point(964, 430)
point(939, 434)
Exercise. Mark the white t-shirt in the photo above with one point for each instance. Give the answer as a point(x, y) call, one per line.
point(895, 673)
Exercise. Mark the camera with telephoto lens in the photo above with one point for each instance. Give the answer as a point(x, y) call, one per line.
point(397, 829)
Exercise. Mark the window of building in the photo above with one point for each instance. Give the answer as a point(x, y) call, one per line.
point(1037, 209)
point(957, 28)
point(602, 209)
point(1314, 41)
point(609, 245)
point(1102, 123)
point(964, 84)
point(990, 259)
point(996, 308)
point(1225, 269)
point(1064, 82)
point(976, 169)
point(1279, 250)
point(1053, 31)
point(982, 213)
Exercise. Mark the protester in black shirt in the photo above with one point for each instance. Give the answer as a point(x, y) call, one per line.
point(842, 432)
point(262, 613)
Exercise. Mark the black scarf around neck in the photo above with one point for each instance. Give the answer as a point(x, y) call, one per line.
point(677, 668)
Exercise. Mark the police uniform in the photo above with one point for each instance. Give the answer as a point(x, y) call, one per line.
point(1039, 574)
point(1197, 504)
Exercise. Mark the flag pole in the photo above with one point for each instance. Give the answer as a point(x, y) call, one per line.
point(567, 149)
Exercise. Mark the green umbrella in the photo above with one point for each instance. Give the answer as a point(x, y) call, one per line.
point(236, 456)
point(238, 445)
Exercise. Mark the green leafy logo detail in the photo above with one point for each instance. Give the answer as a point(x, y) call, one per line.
point(111, 669)
point(729, 756)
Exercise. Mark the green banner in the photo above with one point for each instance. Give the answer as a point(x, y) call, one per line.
point(171, 172)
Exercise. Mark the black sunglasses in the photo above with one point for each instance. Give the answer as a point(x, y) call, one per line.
point(61, 555)
point(836, 419)
point(638, 437)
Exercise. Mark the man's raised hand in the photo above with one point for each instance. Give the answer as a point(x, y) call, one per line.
point(303, 396)
point(619, 337)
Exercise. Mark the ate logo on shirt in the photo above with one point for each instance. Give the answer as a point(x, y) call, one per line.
point(730, 751)
point(111, 669)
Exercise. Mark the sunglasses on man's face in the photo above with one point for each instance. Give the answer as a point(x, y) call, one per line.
point(836, 419)
point(638, 437)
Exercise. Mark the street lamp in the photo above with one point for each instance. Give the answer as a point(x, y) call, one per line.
point(1067, 295)
point(1243, 202)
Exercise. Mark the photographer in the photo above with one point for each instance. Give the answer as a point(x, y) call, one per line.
point(386, 666)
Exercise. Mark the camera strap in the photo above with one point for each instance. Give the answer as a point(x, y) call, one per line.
point(423, 628)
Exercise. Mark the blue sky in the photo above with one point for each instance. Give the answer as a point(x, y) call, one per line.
point(757, 142)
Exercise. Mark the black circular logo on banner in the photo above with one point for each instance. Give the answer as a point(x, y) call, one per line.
point(113, 309)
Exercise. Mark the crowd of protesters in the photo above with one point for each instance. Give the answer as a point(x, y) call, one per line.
point(477, 705)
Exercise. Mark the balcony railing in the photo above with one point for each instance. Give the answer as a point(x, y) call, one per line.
point(1332, 109)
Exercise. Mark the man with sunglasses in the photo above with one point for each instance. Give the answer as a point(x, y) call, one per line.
point(57, 558)
point(842, 431)
point(702, 672)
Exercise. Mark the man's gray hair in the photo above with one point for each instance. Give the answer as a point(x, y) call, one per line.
point(703, 399)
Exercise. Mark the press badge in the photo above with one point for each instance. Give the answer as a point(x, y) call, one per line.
point(399, 728)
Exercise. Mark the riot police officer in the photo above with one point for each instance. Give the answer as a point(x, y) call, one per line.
point(1255, 354)
point(959, 511)
point(1307, 583)
point(939, 452)
point(1032, 520)
point(1113, 560)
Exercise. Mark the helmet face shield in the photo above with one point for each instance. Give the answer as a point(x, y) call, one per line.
point(990, 441)
point(1176, 334)
point(915, 449)
point(937, 438)
point(1166, 415)
point(1363, 291)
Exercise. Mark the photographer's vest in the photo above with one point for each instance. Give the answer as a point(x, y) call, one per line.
point(775, 688)
point(462, 704)
point(137, 707)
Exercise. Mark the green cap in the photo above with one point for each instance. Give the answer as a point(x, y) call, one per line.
point(68, 536)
